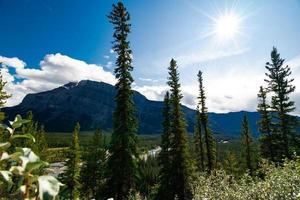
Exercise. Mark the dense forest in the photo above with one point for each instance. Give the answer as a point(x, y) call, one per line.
point(122, 165)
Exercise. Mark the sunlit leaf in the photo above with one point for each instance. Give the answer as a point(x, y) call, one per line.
point(6, 175)
point(48, 186)
point(31, 166)
point(28, 157)
point(26, 136)
point(4, 146)
point(17, 170)
point(17, 123)
point(4, 156)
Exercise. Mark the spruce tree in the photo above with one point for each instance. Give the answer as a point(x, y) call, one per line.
point(71, 177)
point(247, 146)
point(281, 85)
point(199, 151)
point(165, 190)
point(122, 162)
point(266, 137)
point(92, 176)
point(208, 136)
point(181, 168)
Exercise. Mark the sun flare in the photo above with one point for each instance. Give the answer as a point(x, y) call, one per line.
point(227, 26)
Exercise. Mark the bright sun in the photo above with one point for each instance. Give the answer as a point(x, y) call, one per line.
point(227, 26)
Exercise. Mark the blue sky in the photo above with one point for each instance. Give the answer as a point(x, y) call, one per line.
point(48, 43)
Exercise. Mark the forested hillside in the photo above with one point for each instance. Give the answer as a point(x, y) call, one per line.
point(91, 103)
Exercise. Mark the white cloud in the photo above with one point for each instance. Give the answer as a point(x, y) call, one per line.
point(152, 92)
point(55, 70)
point(294, 62)
point(204, 56)
point(106, 56)
point(109, 64)
point(231, 90)
point(148, 80)
point(13, 62)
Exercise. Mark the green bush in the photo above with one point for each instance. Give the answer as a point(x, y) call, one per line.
point(282, 182)
point(21, 169)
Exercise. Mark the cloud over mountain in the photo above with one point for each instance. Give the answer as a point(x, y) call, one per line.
point(54, 70)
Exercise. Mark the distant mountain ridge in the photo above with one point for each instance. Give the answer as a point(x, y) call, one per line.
point(92, 104)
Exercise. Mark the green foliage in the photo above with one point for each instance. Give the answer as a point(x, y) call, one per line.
point(277, 183)
point(284, 124)
point(247, 146)
point(209, 140)
point(71, 176)
point(165, 157)
point(231, 164)
point(267, 147)
point(21, 169)
point(40, 145)
point(198, 143)
point(92, 173)
point(149, 177)
point(3, 97)
point(122, 161)
point(181, 165)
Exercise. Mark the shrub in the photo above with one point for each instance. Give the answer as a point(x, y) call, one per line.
point(21, 169)
point(282, 182)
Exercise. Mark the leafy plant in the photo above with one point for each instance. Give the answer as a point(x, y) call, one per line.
point(21, 169)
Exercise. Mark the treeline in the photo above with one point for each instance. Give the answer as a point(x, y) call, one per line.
point(119, 171)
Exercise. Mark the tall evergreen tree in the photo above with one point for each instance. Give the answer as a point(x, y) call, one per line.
point(122, 162)
point(266, 138)
point(71, 177)
point(247, 146)
point(92, 176)
point(208, 136)
point(281, 85)
point(199, 151)
point(181, 168)
point(165, 190)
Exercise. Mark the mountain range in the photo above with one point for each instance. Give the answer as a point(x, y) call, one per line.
point(92, 104)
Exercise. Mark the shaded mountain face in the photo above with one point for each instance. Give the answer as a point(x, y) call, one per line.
point(92, 104)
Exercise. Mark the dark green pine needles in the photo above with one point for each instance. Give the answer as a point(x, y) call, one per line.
point(281, 106)
point(267, 147)
point(198, 143)
point(71, 177)
point(122, 162)
point(209, 140)
point(165, 191)
point(181, 167)
point(247, 146)
point(92, 173)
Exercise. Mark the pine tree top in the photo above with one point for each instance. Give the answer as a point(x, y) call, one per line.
point(174, 81)
point(201, 97)
point(280, 83)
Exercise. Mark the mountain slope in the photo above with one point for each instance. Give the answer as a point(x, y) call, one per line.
point(91, 103)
